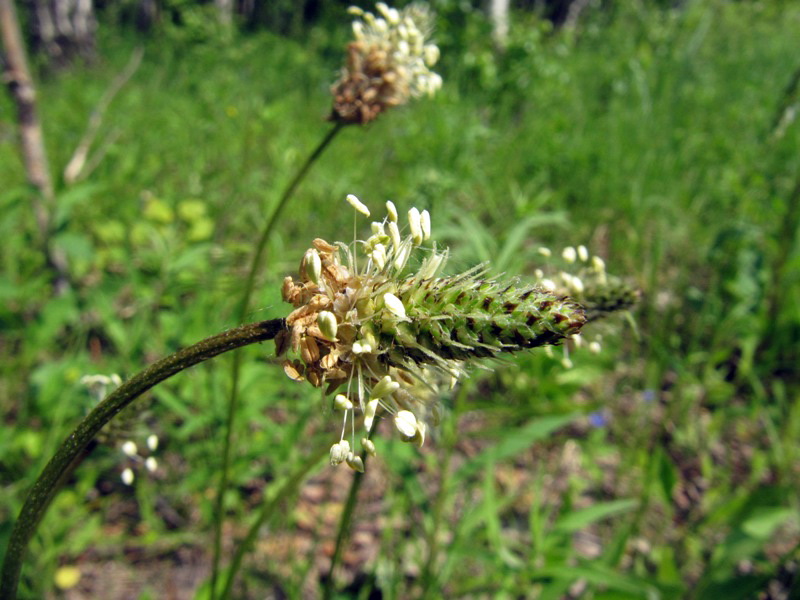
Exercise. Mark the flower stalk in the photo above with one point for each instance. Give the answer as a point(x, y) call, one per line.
point(71, 450)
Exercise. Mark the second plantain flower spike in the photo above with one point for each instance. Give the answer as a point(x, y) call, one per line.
point(379, 331)
point(387, 64)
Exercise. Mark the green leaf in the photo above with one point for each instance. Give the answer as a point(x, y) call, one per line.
point(579, 519)
point(766, 520)
point(515, 442)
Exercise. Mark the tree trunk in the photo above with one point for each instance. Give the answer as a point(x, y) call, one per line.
point(498, 12)
point(64, 29)
point(18, 79)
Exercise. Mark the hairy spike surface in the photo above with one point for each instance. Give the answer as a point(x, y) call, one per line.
point(389, 334)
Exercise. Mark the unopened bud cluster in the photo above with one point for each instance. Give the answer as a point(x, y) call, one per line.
point(378, 327)
point(585, 279)
point(387, 64)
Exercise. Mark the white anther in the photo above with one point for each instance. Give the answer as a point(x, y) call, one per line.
point(378, 255)
point(383, 388)
point(313, 265)
point(369, 446)
point(406, 424)
point(415, 225)
point(395, 305)
point(129, 448)
point(369, 413)
point(326, 321)
point(391, 211)
point(357, 204)
point(425, 224)
point(127, 476)
point(342, 402)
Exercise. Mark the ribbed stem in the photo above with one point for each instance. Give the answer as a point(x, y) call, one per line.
point(70, 452)
point(344, 528)
point(236, 363)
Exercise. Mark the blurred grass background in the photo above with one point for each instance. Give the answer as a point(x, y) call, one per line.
point(664, 467)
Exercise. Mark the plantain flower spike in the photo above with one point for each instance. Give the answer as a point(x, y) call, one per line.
point(387, 64)
point(380, 335)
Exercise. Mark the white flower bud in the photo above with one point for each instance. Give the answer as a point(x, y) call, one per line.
point(395, 306)
point(569, 254)
point(543, 251)
point(406, 424)
point(127, 476)
point(357, 204)
point(595, 347)
point(152, 442)
point(129, 448)
point(598, 264)
point(151, 464)
point(391, 210)
point(566, 362)
point(538, 273)
point(583, 253)
point(326, 321)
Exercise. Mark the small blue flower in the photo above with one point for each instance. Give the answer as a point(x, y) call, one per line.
point(598, 419)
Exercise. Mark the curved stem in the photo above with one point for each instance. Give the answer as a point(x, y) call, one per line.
point(255, 264)
point(71, 450)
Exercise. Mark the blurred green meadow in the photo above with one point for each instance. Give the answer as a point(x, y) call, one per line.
point(666, 466)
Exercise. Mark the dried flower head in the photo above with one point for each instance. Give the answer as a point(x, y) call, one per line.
point(384, 329)
point(387, 64)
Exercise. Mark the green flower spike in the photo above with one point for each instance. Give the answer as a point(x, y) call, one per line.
point(378, 333)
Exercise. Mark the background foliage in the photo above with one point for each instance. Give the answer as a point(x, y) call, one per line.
point(664, 467)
